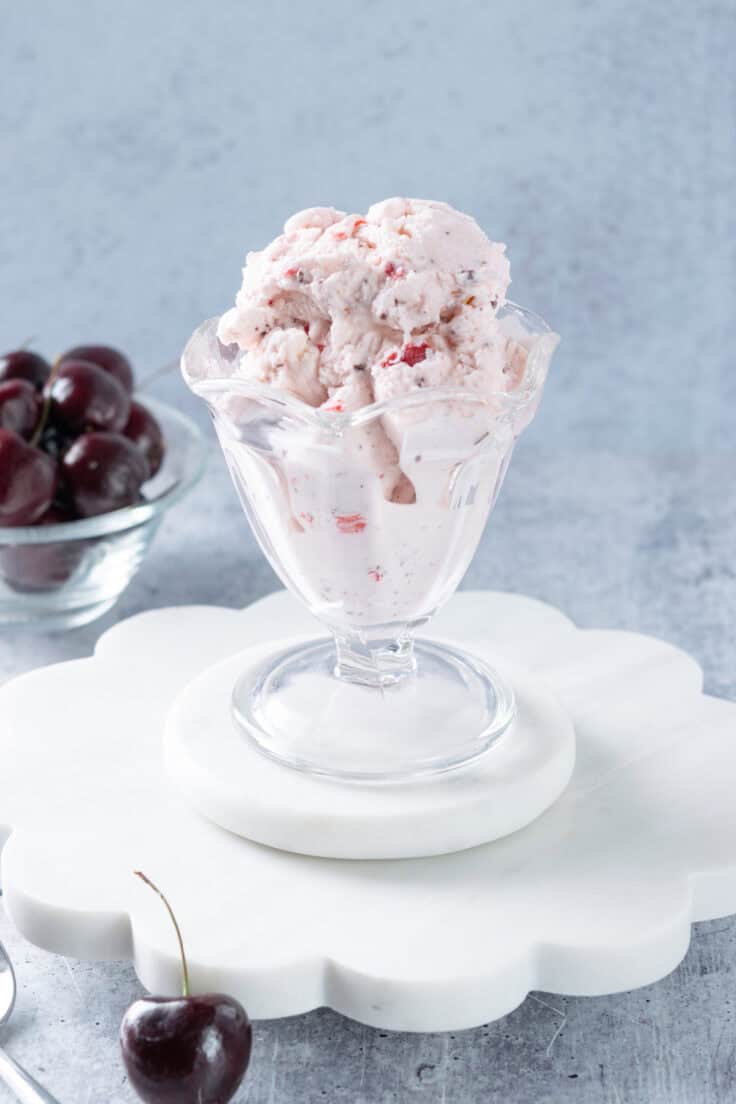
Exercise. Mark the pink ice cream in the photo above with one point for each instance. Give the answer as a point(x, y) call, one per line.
point(345, 310)
point(372, 515)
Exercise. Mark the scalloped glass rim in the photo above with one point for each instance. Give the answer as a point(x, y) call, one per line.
point(503, 402)
point(118, 521)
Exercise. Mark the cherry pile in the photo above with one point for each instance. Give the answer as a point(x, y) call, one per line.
point(74, 443)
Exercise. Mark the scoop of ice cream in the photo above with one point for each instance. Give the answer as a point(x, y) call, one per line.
point(344, 310)
point(372, 518)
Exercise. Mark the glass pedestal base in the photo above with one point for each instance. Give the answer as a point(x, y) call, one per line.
point(299, 711)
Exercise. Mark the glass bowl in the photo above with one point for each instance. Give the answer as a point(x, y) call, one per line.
point(59, 576)
point(371, 518)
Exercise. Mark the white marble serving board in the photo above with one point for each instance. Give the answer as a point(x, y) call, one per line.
point(595, 896)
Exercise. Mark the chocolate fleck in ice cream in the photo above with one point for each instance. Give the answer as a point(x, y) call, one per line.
point(406, 378)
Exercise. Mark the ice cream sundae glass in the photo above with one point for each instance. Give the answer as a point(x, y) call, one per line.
point(367, 390)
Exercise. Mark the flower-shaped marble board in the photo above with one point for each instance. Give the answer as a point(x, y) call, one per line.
point(594, 896)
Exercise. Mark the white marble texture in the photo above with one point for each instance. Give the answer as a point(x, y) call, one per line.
point(596, 895)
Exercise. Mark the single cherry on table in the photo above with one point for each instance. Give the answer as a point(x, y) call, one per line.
point(192, 1049)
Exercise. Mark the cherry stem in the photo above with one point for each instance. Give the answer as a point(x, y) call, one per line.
point(46, 407)
point(184, 968)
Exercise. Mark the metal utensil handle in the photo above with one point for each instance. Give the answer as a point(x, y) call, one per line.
point(23, 1085)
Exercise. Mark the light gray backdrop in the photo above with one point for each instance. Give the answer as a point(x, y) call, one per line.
point(145, 146)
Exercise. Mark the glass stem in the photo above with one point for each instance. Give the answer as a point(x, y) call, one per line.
point(374, 661)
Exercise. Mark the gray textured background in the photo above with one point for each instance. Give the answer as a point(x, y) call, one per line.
point(144, 147)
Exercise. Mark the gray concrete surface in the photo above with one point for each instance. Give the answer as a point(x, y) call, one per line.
point(144, 147)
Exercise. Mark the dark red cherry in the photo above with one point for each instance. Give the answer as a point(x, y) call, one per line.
point(105, 357)
point(145, 432)
point(102, 472)
point(84, 396)
point(187, 1049)
point(28, 480)
point(25, 365)
point(19, 406)
point(33, 567)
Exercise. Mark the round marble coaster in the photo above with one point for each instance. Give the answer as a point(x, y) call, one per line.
point(229, 780)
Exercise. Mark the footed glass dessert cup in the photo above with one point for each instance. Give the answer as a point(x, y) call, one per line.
point(371, 518)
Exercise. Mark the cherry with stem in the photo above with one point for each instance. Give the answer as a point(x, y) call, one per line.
point(191, 1049)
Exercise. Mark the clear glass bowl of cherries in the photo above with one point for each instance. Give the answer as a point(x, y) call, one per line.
point(86, 474)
